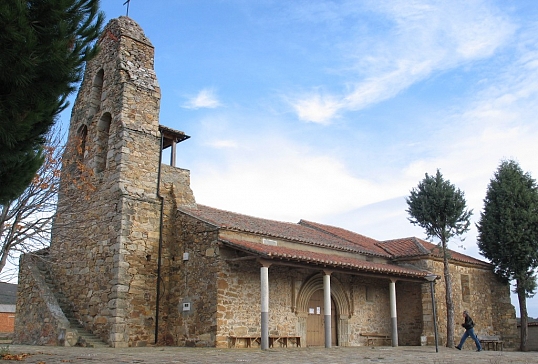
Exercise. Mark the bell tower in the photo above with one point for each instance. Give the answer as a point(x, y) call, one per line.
point(106, 236)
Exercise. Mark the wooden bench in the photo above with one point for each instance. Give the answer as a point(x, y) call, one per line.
point(371, 337)
point(247, 339)
point(283, 341)
point(491, 342)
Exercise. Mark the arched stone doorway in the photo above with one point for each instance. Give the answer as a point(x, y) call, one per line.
point(309, 296)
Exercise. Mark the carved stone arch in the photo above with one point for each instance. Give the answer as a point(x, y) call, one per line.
point(341, 301)
point(338, 294)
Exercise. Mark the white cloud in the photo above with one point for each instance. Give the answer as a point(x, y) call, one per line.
point(221, 144)
point(317, 108)
point(206, 98)
point(421, 38)
point(274, 178)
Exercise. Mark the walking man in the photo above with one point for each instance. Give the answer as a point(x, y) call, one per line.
point(469, 331)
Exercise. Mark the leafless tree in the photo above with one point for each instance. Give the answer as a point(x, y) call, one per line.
point(26, 222)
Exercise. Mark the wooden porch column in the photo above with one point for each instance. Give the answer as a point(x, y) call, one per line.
point(393, 315)
point(327, 309)
point(173, 153)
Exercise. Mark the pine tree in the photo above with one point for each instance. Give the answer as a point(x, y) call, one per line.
point(440, 209)
point(508, 232)
point(45, 44)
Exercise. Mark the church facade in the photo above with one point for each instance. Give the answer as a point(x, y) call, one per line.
point(135, 261)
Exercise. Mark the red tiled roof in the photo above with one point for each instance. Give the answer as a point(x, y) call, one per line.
point(415, 247)
point(284, 230)
point(397, 248)
point(408, 247)
point(361, 240)
point(327, 236)
point(328, 260)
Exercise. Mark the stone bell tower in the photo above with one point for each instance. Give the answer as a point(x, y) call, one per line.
point(108, 231)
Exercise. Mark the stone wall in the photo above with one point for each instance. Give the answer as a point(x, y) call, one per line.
point(502, 313)
point(42, 321)
point(371, 308)
point(487, 300)
point(239, 300)
point(191, 280)
point(175, 183)
point(371, 313)
point(410, 324)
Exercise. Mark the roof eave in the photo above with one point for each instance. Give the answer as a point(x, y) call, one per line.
point(326, 263)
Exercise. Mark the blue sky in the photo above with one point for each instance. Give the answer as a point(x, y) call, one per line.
point(332, 111)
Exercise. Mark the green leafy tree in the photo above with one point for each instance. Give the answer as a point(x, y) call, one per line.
point(44, 46)
point(440, 209)
point(508, 232)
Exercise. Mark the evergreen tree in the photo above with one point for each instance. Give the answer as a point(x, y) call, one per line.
point(508, 232)
point(44, 46)
point(440, 209)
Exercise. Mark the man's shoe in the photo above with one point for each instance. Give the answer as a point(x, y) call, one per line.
point(457, 347)
point(479, 350)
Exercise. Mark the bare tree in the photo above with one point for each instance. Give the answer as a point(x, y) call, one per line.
point(26, 222)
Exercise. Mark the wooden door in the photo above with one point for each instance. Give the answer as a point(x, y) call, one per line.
point(315, 324)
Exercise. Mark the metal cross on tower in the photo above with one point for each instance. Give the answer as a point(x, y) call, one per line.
point(128, 2)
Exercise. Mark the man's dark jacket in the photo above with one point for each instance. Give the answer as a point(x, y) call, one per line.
point(468, 324)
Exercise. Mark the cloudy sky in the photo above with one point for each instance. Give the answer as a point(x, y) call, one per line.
point(332, 111)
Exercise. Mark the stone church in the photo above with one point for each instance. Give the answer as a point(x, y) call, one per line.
point(135, 261)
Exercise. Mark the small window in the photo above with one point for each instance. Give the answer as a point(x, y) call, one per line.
point(95, 95)
point(81, 142)
point(369, 294)
point(269, 242)
point(465, 288)
point(103, 131)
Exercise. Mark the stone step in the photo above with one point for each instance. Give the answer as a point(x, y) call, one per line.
point(75, 324)
point(90, 340)
point(85, 338)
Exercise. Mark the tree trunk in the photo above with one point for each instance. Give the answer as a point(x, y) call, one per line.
point(524, 316)
point(448, 297)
